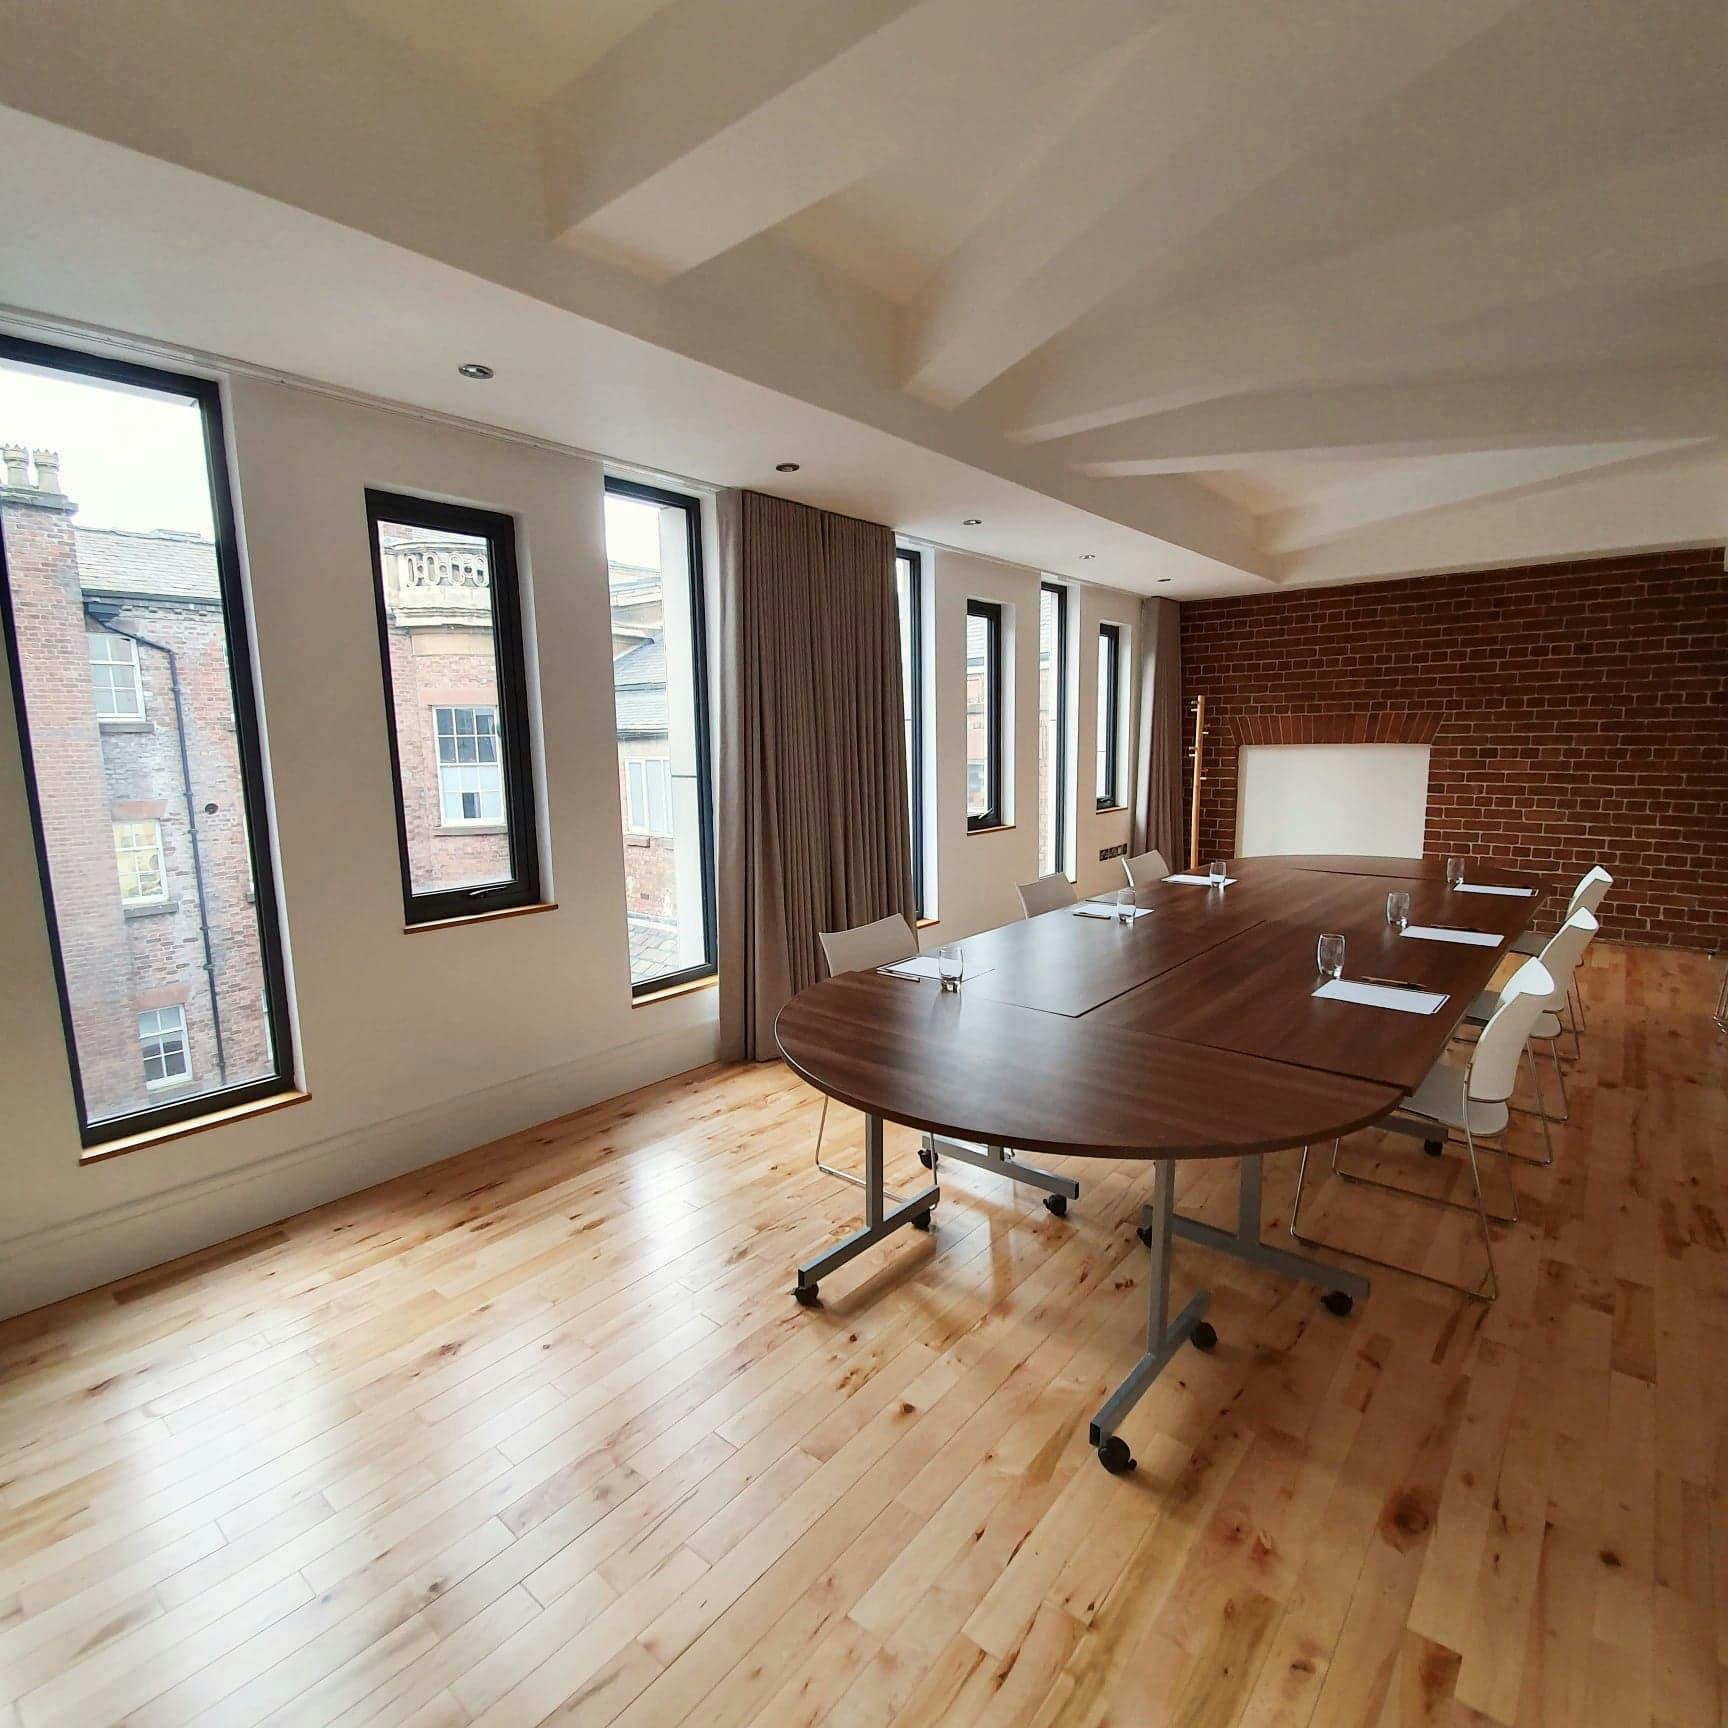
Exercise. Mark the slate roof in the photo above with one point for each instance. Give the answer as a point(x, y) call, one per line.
point(639, 678)
point(163, 562)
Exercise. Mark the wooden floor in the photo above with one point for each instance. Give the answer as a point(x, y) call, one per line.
point(539, 1435)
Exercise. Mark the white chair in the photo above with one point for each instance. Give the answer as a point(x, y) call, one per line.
point(1564, 949)
point(1147, 868)
point(1593, 885)
point(1047, 894)
point(1471, 1100)
point(862, 949)
point(881, 944)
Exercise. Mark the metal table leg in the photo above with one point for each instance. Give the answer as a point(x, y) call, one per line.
point(1001, 1162)
point(1164, 1337)
point(879, 1223)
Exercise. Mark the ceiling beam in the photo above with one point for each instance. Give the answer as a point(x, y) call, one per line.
point(1422, 488)
point(1427, 417)
point(722, 118)
point(1151, 166)
point(1130, 359)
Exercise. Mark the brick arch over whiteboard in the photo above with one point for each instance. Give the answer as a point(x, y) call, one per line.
point(1576, 713)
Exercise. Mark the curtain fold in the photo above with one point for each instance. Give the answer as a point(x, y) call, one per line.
point(1158, 764)
point(813, 827)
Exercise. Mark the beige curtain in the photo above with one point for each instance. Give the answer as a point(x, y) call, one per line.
point(814, 832)
point(1158, 765)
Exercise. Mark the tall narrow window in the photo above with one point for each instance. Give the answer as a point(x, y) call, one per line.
point(908, 586)
point(1052, 726)
point(660, 689)
point(1109, 715)
point(126, 632)
point(456, 703)
point(983, 714)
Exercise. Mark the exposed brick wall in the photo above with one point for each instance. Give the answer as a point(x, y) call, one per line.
point(1578, 715)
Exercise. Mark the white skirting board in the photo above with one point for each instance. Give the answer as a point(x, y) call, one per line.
point(95, 1249)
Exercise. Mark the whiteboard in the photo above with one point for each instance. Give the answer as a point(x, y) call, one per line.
point(1331, 798)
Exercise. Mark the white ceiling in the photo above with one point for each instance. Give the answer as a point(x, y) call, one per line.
point(1220, 293)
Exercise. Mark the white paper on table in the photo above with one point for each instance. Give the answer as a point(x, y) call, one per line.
point(1200, 881)
point(1443, 933)
point(926, 966)
point(1490, 888)
point(1094, 909)
point(1380, 996)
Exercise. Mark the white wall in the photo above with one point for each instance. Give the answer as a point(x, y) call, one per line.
point(547, 1022)
point(1370, 798)
point(976, 874)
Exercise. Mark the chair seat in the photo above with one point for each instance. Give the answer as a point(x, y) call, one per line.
point(1441, 1098)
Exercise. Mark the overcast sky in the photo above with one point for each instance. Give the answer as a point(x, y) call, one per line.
point(128, 458)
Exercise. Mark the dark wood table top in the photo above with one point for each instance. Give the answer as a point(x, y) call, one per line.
point(965, 1065)
point(1190, 1032)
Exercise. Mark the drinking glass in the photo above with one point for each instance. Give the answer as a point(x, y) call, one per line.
point(951, 965)
point(1125, 905)
point(1215, 872)
point(1454, 872)
point(1329, 956)
point(1398, 910)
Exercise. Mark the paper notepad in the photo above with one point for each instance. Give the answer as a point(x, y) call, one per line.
point(1095, 910)
point(925, 966)
point(1490, 888)
point(1443, 933)
point(1380, 996)
point(1200, 881)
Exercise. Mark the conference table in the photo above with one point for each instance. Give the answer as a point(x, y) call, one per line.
point(1191, 1031)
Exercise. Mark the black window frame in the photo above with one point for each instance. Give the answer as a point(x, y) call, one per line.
point(510, 657)
point(243, 693)
point(989, 612)
point(1059, 788)
point(915, 768)
point(618, 487)
point(1110, 637)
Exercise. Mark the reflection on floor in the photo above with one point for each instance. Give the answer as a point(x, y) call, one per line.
point(539, 1435)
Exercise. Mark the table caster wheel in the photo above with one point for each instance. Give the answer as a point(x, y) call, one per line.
point(1145, 1235)
point(1114, 1455)
point(1338, 1302)
point(1433, 1147)
point(1205, 1336)
point(922, 1221)
point(806, 1294)
point(926, 1157)
point(1057, 1203)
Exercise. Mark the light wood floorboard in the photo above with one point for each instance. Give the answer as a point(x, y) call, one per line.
point(537, 1435)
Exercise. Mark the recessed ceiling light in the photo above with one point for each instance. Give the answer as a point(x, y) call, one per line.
point(1087, 557)
point(474, 369)
point(973, 522)
point(787, 467)
point(1163, 578)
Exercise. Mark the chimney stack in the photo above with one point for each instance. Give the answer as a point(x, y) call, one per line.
point(47, 471)
point(17, 460)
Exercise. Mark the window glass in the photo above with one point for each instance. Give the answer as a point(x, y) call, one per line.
point(456, 681)
point(983, 714)
point(654, 577)
point(1109, 713)
point(124, 620)
point(1052, 725)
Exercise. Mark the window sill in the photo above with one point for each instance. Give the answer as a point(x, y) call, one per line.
point(479, 917)
point(1111, 810)
point(688, 988)
point(197, 1125)
point(149, 908)
point(125, 725)
point(997, 828)
point(928, 923)
point(471, 828)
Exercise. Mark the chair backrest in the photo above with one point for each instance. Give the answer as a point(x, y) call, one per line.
point(1494, 1062)
point(1564, 949)
point(857, 950)
point(1148, 867)
point(1046, 894)
point(1592, 885)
